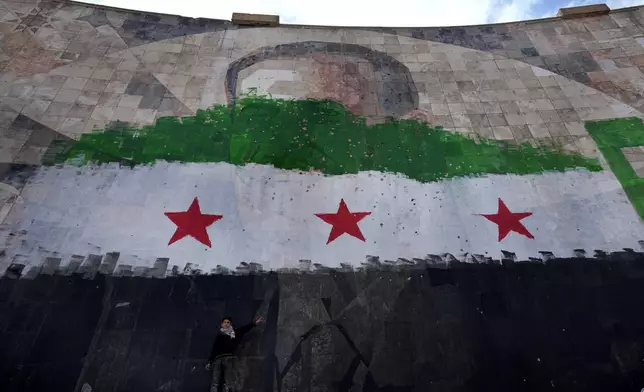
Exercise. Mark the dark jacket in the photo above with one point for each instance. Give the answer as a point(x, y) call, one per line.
point(225, 345)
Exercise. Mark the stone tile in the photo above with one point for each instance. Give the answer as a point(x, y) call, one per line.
point(103, 73)
point(576, 128)
point(72, 127)
point(9, 150)
point(65, 95)
point(36, 108)
point(470, 96)
point(7, 117)
point(109, 99)
point(88, 98)
point(193, 91)
point(445, 121)
point(30, 155)
point(532, 118)
point(496, 119)
point(532, 83)
point(81, 111)
point(58, 109)
point(521, 133)
point(555, 93)
point(21, 91)
point(478, 120)
point(487, 96)
point(52, 122)
point(466, 86)
point(74, 83)
point(474, 108)
point(502, 133)
point(457, 108)
point(102, 113)
point(548, 81)
point(461, 120)
point(515, 119)
point(539, 131)
point(169, 104)
point(550, 116)
point(123, 76)
point(515, 84)
point(542, 104)
point(492, 107)
point(128, 65)
point(485, 132)
point(151, 101)
point(568, 115)
point(130, 101)
point(124, 114)
point(145, 116)
point(116, 87)
point(558, 129)
point(96, 85)
point(94, 126)
point(440, 109)
point(45, 92)
point(453, 97)
point(53, 81)
point(561, 104)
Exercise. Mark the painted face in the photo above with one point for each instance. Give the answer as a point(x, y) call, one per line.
point(335, 78)
point(226, 324)
point(320, 76)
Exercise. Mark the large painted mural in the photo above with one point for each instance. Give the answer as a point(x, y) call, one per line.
point(208, 144)
point(358, 187)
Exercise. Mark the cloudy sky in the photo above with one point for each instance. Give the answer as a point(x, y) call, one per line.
point(367, 12)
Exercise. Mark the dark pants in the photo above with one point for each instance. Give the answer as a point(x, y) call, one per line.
point(226, 374)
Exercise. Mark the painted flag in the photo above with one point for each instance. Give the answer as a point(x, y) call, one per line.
point(279, 181)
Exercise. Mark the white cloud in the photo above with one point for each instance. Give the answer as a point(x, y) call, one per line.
point(364, 12)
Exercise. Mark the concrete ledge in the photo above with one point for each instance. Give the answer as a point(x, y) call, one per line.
point(583, 11)
point(255, 19)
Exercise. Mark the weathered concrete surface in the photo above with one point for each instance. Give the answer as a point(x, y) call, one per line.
point(563, 325)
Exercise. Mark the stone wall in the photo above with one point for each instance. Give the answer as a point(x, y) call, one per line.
point(563, 325)
point(111, 122)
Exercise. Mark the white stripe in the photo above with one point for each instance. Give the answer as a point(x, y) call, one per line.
point(269, 215)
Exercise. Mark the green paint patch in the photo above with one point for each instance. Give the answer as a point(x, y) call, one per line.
point(613, 135)
point(316, 135)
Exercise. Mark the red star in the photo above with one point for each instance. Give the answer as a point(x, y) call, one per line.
point(509, 221)
point(192, 223)
point(344, 221)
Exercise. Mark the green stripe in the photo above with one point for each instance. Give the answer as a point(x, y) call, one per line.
point(613, 135)
point(320, 135)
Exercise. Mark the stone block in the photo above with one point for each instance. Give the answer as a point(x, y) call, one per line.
point(255, 19)
point(583, 11)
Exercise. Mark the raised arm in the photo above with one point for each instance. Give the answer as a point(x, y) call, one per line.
point(240, 332)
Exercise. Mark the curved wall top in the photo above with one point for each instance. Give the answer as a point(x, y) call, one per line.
point(287, 146)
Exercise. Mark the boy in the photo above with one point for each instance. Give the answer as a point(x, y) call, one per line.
point(222, 358)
